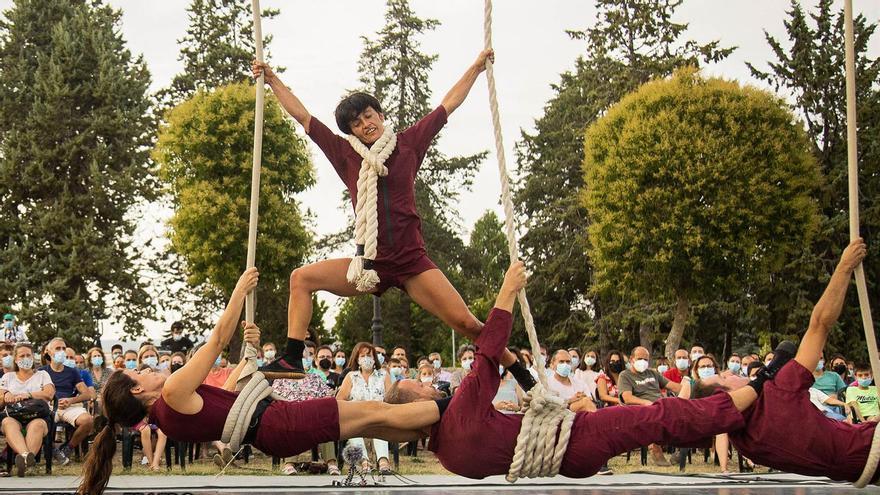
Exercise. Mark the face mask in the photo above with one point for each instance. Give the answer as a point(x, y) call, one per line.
point(850, 370)
point(501, 370)
point(217, 362)
point(641, 365)
point(381, 358)
point(466, 364)
point(324, 364)
point(339, 361)
point(589, 360)
point(682, 363)
point(176, 366)
point(695, 356)
point(662, 368)
point(131, 364)
point(152, 361)
point(8, 325)
point(7, 362)
point(436, 363)
point(396, 372)
point(575, 362)
point(177, 337)
point(269, 355)
point(259, 363)
point(616, 366)
point(426, 379)
point(706, 372)
point(25, 363)
point(70, 363)
point(864, 382)
point(840, 369)
point(366, 363)
point(563, 369)
point(59, 357)
point(164, 365)
point(733, 366)
point(820, 365)
point(97, 361)
point(307, 363)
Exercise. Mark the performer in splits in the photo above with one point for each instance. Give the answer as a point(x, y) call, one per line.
point(490, 436)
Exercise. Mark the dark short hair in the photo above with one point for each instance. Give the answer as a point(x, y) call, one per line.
point(860, 366)
point(351, 106)
point(177, 325)
point(115, 346)
point(319, 349)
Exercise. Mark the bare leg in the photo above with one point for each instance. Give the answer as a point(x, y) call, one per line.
point(326, 275)
point(147, 443)
point(12, 430)
point(435, 294)
point(83, 428)
point(36, 431)
point(359, 419)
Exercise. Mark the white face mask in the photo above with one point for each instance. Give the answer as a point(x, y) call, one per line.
point(25, 363)
point(466, 363)
point(696, 355)
point(589, 360)
point(366, 363)
point(682, 363)
point(640, 365)
point(269, 355)
point(426, 379)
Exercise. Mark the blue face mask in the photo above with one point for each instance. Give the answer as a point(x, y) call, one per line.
point(575, 361)
point(381, 358)
point(682, 363)
point(820, 365)
point(151, 361)
point(307, 363)
point(7, 362)
point(259, 363)
point(396, 372)
point(589, 360)
point(217, 362)
point(131, 364)
point(340, 361)
point(97, 361)
point(662, 368)
point(563, 369)
point(734, 366)
point(501, 370)
point(59, 357)
point(706, 372)
point(865, 382)
point(70, 363)
point(436, 363)
point(466, 364)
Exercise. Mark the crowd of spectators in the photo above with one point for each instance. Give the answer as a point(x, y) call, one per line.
point(69, 382)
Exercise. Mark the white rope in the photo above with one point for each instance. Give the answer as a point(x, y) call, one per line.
point(545, 412)
point(853, 171)
point(242, 410)
point(366, 227)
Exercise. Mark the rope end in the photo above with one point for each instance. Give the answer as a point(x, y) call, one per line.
point(368, 280)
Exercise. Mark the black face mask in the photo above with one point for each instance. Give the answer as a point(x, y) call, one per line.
point(175, 367)
point(840, 369)
point(324, 364)
point(616, 366)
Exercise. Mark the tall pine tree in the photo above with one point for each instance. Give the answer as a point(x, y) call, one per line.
point(75, 131)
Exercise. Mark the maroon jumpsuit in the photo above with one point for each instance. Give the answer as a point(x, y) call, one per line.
point(286, 428)
point(474, 440)
point(401, 249)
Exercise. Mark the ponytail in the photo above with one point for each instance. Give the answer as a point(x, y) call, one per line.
point(99, 462)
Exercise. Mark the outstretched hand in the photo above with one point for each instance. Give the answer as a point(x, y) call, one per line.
point(853, 254)
point(262, 68)
point(251, 334)
point(515, 278)
point(480, 63)
point(248, 281)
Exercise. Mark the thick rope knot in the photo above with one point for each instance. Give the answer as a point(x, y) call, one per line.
point(366, 225)
point(538, 450)
point(242, 410)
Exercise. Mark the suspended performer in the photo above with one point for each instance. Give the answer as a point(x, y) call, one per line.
point(490, 436)
point(379, 168)
point(784, 430)
point(188, 411)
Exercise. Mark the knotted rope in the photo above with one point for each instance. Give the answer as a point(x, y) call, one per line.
point(546, 413)
point(366, 226)
point(237, 422)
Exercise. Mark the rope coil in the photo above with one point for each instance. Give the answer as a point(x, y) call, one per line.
point(366, 228)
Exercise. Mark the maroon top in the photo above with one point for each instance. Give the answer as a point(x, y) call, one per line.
point(203, 426)
point(400, 227)
point(785, 431)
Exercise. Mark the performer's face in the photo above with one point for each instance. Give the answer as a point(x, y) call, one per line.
point(368, 126)
point(425, 391)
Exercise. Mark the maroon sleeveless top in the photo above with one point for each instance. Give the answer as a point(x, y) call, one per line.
point(204, 426)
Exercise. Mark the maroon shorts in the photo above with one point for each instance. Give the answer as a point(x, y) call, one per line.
point(393, 273)
point(290, 428)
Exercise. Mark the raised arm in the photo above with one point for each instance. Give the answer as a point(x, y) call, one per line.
point(252, 337)
point(181, 385)
point(828, 308)
point(289, 102)
point(459, 92)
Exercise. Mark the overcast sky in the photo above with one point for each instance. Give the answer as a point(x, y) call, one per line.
point(319, 43)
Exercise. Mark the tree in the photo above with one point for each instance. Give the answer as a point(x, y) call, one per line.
point(394, 69)
point(205, 152)
point(75, 128)
point(811, 71)
point(631, 43)
point(217, 49)
point(694, 187)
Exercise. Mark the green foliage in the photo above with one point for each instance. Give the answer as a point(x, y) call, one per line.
point(694, 188)
point(632, 42)
point(75, 128)
point(205, 156)
point(811, 70)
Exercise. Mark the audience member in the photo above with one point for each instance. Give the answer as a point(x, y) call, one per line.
point(131, 359)
point(396, 370)
point(509, 397)
point(308, 359)
point(178, 359)
point(697, 352)
point(380, 355)
point(12, 333)
point(608, 379)
point(828, 382)
point(98, 373)
point(178, 342)
point(706, 367)
point(437, 361)
point(148, 355)
point(465, 356)
point(324, 367)
point(838, 365)
point(864, 394)
point(588, 371)
point(734, 364)
point(568, 386)
point(682, 366)
point(71, 392)
point(7, 359)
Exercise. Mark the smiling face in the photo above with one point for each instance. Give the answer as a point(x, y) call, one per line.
point(368, 126)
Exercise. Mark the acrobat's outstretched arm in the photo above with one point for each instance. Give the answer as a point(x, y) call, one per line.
point(291, 104)
point(455, 97)
point(828, 308)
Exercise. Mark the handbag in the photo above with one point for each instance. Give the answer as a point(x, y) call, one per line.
point(26, 410)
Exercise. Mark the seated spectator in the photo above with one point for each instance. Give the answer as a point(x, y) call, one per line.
point(72, 393)
point(641, 386)
point(734, 364)
point(569, 387)
point(178, 359)
point(864, 393)
point(421, 361)
point(509, 398)
point(98, 373)
point(23, 383)
point(269, 352)
point(324, 368)
point(465, 356)
point(426, 375)
point(71, 362)
point(838, 365)
point(79, 360)
point(165, 362)
point(115, 351)
point(7, 360)
point(339, 361)
point(218, 374)
point(308, 359)
point(697, 352)
point(746, 361)
point(437, 361)
point(152, 451)
point(662, 365)
point(768, 357)
point(12, 333)
point(148, 355)
point(682, 366)
point(178, 342)
point(407, 371)
point(828, 382)
point(131, 359)
point(706, 367)
point(588, 371)
point(396, 369)
point(607, 380)
point(380, 355)
point(827, 404)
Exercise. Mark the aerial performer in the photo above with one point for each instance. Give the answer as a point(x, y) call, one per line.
point(189, 411)
point(490, 437)
point(379, 168)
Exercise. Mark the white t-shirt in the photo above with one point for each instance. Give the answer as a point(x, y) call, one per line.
point(818, 398)
point(567, 391)
point(588, 377)
point(10, 382)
